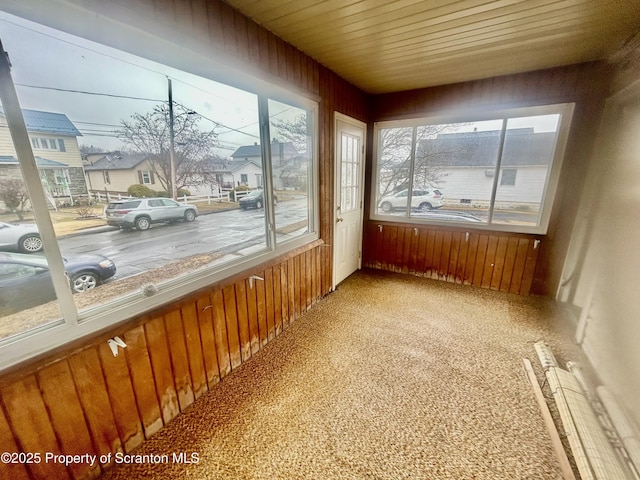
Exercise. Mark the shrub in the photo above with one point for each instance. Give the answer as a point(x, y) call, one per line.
point(140, 191)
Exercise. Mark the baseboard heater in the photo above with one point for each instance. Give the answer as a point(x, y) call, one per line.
point(603, 444)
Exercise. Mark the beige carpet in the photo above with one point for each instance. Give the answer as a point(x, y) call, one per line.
point(389, 377)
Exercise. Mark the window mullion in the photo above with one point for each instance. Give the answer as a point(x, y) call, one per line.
point(22, 144)
point(496, 179)
point(267, 189)
point(414, 137)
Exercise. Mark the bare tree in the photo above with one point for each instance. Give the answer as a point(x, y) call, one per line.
point(149, 134)
point(396, 148)
point(14, 195)
point(290, 149)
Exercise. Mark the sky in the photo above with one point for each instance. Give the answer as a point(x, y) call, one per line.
point(72, 69)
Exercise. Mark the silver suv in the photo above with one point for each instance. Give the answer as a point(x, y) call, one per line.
point(142, 212)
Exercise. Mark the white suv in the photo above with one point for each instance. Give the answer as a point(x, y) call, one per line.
point(421, 199)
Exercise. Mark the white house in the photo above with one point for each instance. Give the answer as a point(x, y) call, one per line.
point(464, 165)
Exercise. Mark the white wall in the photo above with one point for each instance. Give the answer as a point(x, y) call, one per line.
point(606, 254)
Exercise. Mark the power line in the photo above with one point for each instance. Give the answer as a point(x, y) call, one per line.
point(84, 92)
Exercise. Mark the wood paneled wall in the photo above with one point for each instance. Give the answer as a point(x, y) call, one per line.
point(90, 402)
point(80, 399)
point(499, 261)
point(585, 84)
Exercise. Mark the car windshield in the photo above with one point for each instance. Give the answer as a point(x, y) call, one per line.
point(255, 193)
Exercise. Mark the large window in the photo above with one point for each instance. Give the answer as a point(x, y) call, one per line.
point(103, 241)
point(497, 171)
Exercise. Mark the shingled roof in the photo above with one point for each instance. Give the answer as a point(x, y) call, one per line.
point(116, 161)
point(523, 147)
point(48, 122)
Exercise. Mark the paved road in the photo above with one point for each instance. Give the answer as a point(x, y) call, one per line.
point(226, 232)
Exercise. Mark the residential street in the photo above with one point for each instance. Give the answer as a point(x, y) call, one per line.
point(222, 232)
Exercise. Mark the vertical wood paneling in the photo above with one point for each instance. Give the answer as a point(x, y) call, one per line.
point(509, 263)
point(92, 392)
point(445, 255)
point(142, 379)
point(284, 290)
point(243, 320)
point(529, 269)
point(122, 397)
point(297, 287)
point(162, 369)
point(488, 260)
point(179, 358)
point(471, 259)
point(220, 333)
point(14, 471)
point(198, 317)
point(252, 313)
point(277, 299)
point(31, 426)
point(67, 417)
point(263, 330)
point(233, 333)
point(195, 348)
point(500, 259)
point(269, 304)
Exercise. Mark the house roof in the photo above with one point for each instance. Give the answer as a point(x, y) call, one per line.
point(40, 162)
point(248, 151)
point(522, 147)
point(116, 161)
point(48, 122)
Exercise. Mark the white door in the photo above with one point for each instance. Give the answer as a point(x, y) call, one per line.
point(349, 168)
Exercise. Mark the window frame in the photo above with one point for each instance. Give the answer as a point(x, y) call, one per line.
point(75, 324)
point(565, 110)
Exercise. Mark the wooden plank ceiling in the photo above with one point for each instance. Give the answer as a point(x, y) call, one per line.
point(392, 45)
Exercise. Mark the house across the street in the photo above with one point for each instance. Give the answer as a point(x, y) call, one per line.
point(55, 147)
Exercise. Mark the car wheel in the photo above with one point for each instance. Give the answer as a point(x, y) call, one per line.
point(189, 216)
point(259, 204)
point(386, 207)
point(84, 281)
point(426, 206)
point(143, 223)
point(30, 244)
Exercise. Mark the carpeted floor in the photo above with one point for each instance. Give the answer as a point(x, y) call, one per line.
point(389, 377)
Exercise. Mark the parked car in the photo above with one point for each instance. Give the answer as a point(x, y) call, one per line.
point(22, 238)
point(142, 212)
point(25, 280)
point(421, 199)
point(255, 199)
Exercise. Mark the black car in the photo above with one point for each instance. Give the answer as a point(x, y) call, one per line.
point(25, 280)
point(255, 199)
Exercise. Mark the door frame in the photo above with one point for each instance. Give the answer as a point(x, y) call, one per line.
point(340, 117)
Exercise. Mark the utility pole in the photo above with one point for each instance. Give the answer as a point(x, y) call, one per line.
point(172, 151)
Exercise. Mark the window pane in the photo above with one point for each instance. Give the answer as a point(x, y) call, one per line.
point(117, 137)
point(394, 166)
point(291, 159)
point(526, 162)
point(350, 176)
point(27, 297)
